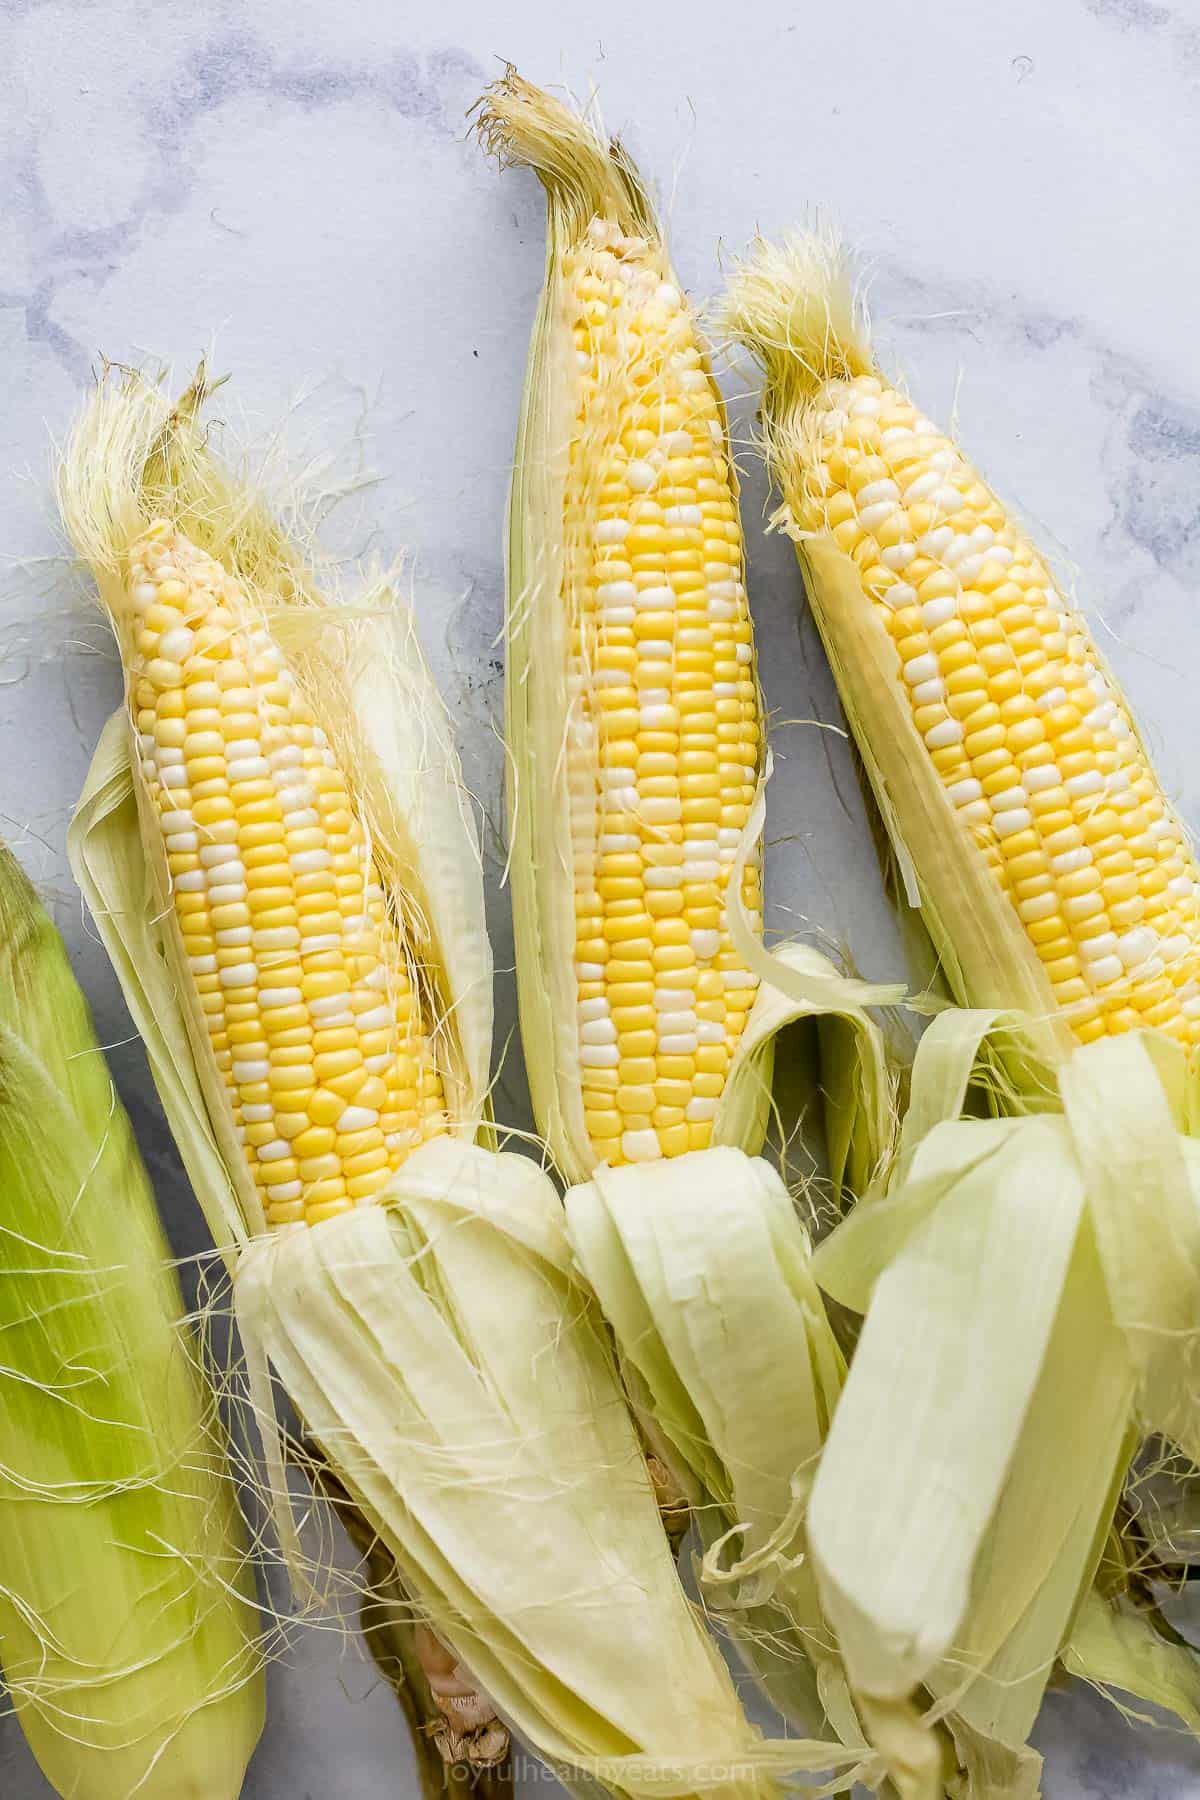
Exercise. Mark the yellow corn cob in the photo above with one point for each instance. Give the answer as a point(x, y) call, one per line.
point(308, 1002)
point(1043, 773)
point(662, 722)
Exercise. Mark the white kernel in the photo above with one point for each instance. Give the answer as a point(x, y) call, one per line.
point(202, 965)
point(168, 756)
point(921, 668)
point(739, 978)
point(684, 1044)
point(656, 718)
point(933, 543)
point(1091, 782)
point(179, 842)
point(587, 971)
point(275, 1151)
point(665, 878)
point(940, 611)
point(279, 1193)
point(927, 693)
point(378, 1065)
point(1092, 949)
point(1118, 782)
point(1100, 716)
point(599, 1056)
point(876, 491)
point(976, 812)
point(655, 599)
point(683, 516)
point(246, 1072)
point(945, 733)
point(284, 996)
point(248, 768)
point(661, 809)
point(326, 1006)
point(229, 893)
point(677, 1024)
point(612, 531)
point(896, 437)
point(948, 499)
point(1037, 780)
point(288, 756)
point(1173, 947)
point(357, 1118)
point(211, 855)
point(897, 556)
point(700, 870)
point(865, 406)
point(698, 1110)
point(592, 1009)
point(598, 1031)
point(144, 595)
point(1104, 970)
point(657, 649)
point(744, 653)
point(641, 476)
point(177, 821)
point(705, 944)
point(174, 778)
point(728, 838)
point(193, 882)
point(1055, 696)
point(968, 567)
point(1135, 946)
point(240, 975)
point(1007, 824)
point(231, 935)
point(376, 1018)
point(320, 942)
point(1042, 906)
point(1010, 797)
point(616, 593)
point(998, 553)
point(308, 862)
point(241, 747)
point(872, 516)
point(923, 487)
point(709, 1032)
point(276, 937)
point(258, 1113)
point(640, 1146)
point(1180, 887)
point(618, 843)
point(1067, 861)
point(899, 594)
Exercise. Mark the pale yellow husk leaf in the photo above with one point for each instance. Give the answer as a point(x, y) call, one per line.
point(128, 1632)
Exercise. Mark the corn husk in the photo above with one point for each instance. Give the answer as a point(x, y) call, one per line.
point(128, 1632)
point(451, 1372)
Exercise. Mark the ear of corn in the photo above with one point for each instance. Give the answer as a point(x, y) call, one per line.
point(429, 1333)
point(1051, 869)
point(1054, 1260)
point(127, 1621)
point(633, 714)
point(636, 761)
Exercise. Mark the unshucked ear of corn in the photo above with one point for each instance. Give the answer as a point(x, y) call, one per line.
point(127, 1621)
point(1031, 1281)
point(636, 761)
point(277, 849)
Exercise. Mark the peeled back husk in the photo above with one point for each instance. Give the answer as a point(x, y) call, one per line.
point(128, 1630)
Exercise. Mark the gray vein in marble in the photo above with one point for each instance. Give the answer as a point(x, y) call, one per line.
point(228, 66)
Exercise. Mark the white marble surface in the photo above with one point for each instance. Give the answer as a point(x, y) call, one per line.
point(292, 181)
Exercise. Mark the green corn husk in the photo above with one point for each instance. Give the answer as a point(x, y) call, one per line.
point(437, 1346)
point(127, 1618)
point(1030, 1280)
point(699, 1262)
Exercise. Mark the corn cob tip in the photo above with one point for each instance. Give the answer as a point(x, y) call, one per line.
point(793, 306)
point(584, 177)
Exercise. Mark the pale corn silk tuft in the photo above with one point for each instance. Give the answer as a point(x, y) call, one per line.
point(665, 734)
point(311, 1012)
point(1027, 729)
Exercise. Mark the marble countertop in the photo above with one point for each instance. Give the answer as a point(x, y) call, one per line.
point(294, 186)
